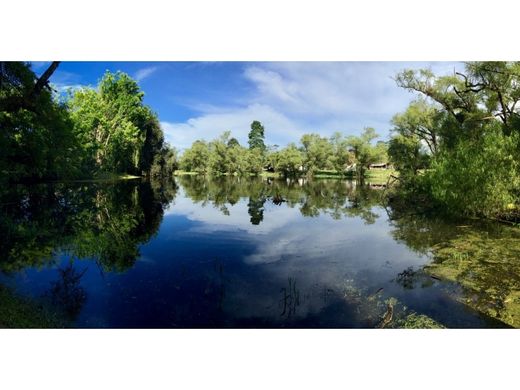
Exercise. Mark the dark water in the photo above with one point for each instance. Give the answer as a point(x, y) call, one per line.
point(251, 253)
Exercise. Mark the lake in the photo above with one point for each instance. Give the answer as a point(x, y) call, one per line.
point(250, 253)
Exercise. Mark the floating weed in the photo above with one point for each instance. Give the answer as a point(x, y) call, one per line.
point(487, 266)
point(417, 321)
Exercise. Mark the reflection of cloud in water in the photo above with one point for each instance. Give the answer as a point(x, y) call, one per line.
point(296, 266)
point(285, 234)
point(238, 218)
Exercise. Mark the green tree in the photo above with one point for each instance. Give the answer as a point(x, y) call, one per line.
point(340, 158)
point(165, 162)
point(256, 136)
point(363, 151)
point(407, 155)
point(420, 121)
point(36, 141)
point(470, 125)
point(288, 161)
point(219, 158)
point(195, 158)
point(316, 151)
point(116, 130)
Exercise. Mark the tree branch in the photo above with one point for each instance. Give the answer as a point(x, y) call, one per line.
point(44, 78)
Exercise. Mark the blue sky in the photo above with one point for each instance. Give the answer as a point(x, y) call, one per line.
point(200, 100)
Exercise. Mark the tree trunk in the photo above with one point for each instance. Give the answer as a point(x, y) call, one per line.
point(44, 78)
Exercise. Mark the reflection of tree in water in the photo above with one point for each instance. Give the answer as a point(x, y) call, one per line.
point(255, 209)
point(337, 198)
point(290, 299)
point(104, 221)
point(410, 278)
point(66, 293)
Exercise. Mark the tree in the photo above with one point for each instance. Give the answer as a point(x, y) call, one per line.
point(470, 123)
point(316, 151)
point(219, 162)
point(43, 80)
point(116, 130)
point(36, 141)
point(407, 155)
point(363, 150)
point(233, 142)
point(422, 121)
point(256, 136)
point(288, 161)
point(340, 157)
point(195, 159)
point(165, 163)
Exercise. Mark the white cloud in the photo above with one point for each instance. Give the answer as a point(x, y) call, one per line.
point(144, 73)
point(292, 98)
point(64, 88)
point(237, 120)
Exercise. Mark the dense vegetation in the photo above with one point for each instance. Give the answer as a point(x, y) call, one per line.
point(47, 136)
point(457, 147)
point(338, 154)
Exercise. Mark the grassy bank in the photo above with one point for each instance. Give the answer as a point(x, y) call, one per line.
point(191, 173)
point(19, 312)
point(184, 173)
point(379, 175)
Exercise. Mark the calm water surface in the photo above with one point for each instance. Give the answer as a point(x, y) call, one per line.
point(251, 253)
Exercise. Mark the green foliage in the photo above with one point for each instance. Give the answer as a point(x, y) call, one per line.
point(340, 157)
point(165, 163)
point(35, 141)
point(407, 155)
point(256, 137)
point(470, 124)
point(478, 177)
point(288, 161)
point(195, 159)
point(316, 151)
point(107, 129)
point(225, 156)
point(364, 152)
point(116, 130)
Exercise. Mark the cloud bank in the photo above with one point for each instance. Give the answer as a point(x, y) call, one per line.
point(293, 98)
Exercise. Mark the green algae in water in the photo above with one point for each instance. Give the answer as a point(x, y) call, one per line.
point(417, 321)
point(487, 266)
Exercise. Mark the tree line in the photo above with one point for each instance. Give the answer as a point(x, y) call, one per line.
point(90, 131)
point(457, 145)
point(314, 153)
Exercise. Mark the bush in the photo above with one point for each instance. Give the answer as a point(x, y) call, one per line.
point(478, 177)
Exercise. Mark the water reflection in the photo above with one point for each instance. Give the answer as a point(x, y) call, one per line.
point(100, 221)
point(313, 198)
point(232, 252)
point(66, 293)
